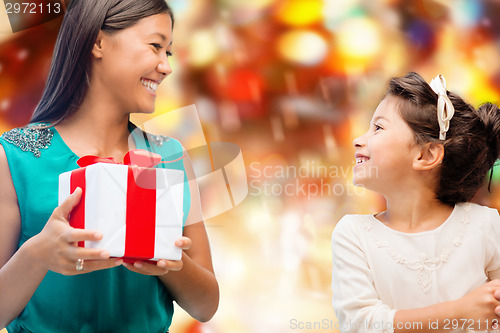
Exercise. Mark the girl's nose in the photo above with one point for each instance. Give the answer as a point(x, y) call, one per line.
point(358, 142)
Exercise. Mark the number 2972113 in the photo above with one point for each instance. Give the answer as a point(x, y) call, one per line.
point(32, 7)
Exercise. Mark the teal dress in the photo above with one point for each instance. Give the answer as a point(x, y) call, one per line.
point(111, 300)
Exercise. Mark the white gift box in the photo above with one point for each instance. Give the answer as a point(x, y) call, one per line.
point(127, 214)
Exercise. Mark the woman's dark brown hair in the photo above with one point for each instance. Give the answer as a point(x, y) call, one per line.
point(69, 74)
point(472, 145)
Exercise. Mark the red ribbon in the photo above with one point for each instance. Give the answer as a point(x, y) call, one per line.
point(141, 200)
point(138, 157)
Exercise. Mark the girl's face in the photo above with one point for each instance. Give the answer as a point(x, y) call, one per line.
point(131, 63)
point(384, 154)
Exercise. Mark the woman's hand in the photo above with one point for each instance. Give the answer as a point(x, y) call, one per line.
point(56, 245)
point(162, 266)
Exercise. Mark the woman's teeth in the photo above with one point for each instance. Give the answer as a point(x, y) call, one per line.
point(153, 86)
point(360, 160)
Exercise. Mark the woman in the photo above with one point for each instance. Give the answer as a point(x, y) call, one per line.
point(109, 59)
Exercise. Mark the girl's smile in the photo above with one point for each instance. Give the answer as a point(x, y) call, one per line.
point(360, 158)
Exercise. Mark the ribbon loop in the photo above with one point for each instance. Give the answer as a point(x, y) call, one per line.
point(445, 108)
point(137, 157)
point(91, 159)
point(142, 158)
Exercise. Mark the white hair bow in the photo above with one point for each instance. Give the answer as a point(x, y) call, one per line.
point(445, 109)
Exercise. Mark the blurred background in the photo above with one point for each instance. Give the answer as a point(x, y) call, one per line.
point(292, 82)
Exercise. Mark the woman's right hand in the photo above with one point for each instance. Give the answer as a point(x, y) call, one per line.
point(57, 248)
point(481, 305)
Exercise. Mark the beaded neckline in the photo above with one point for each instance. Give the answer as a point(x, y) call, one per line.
point(34, 138)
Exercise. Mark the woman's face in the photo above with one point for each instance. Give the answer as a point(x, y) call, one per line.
point(131, 63)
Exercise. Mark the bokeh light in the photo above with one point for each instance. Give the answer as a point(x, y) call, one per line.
point(337, 12)
point(300, 13)
point(302, 47)
point(466, 13)
point(203, 48)
point(358, 41)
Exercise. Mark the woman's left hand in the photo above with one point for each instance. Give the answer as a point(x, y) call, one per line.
point(162, 266)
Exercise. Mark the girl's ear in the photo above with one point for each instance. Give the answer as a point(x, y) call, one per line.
point(430, 155)
point(97, 50)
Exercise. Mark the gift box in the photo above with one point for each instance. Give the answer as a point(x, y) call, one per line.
point(137, 208)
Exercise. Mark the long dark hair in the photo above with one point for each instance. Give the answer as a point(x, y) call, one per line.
point(472, 143)
point(69, 75)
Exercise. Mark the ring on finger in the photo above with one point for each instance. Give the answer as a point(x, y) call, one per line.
point(79, 264)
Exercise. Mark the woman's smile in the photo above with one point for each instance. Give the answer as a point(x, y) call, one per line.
point(150, 85)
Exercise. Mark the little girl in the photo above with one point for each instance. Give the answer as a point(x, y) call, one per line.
point(429, 262)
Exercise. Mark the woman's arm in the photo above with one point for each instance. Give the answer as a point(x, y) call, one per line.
point(195, 287)
point(19, 275)
point(22, 271)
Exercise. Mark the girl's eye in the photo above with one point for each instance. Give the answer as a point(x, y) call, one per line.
point(169, 54)
point(377, 127)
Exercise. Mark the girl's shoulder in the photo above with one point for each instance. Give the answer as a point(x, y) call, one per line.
point(351, 224)
point(355, 219)
point(480, 214)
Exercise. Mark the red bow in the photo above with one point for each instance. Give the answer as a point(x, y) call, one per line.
point(137, 157)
